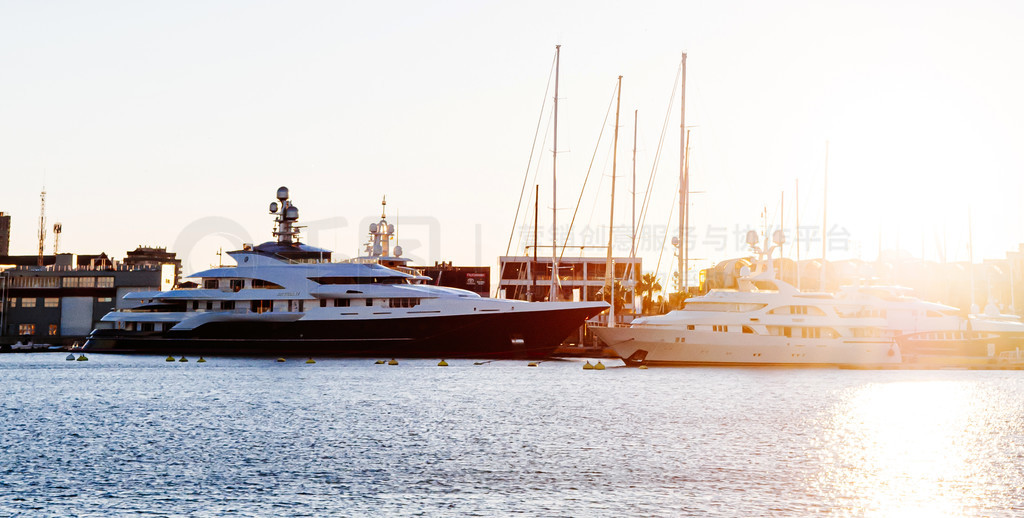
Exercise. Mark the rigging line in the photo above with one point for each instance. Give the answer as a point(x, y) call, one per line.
point(533, 147)
point(661, 252)
point(524, 231)
point(589, 169)
point(645, 205)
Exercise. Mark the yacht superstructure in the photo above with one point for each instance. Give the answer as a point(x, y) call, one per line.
point(286, 298)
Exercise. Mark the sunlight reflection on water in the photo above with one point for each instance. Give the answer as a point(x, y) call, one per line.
point(923, 448)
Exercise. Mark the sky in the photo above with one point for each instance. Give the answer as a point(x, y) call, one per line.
point(173, 124)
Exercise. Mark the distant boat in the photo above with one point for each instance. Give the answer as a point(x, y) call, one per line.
point(766, 322)
point(286, 298)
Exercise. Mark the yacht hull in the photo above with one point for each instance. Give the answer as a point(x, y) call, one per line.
point(958, 349)
point(637, 346)
point(498, 335)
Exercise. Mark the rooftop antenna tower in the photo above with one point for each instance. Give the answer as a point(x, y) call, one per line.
point(42, 225)
point(56, 238)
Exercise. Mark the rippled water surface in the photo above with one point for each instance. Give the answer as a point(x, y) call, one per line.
point(121, 435)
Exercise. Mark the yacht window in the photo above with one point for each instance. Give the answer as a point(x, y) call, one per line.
point(403, 302)
point(369, 302)
point(735, 307)
point(720, 329)
point(195, 305)
point(748, 330)
point(227, 304)
point(209, 305)
point(323, 303)
point(689, 328)
point(797, 310)
point(342, 303)
point(211, 284)
point(146, 326)
point(237, 284)
point(260, 283)
point(359, 280)
point(261, 306)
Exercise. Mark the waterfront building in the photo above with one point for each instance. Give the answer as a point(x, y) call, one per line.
point(579, 278)
point(62, 302)
point(5, 234)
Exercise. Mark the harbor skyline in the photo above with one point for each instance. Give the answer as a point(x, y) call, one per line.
point(140, 120)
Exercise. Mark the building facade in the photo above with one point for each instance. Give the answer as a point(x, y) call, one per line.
point(62, 304)
point(579, 279)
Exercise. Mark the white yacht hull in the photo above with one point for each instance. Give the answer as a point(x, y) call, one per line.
point(636, 346)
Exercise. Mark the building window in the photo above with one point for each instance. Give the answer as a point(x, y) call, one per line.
point(51, 302)
point(28, 302)
point(53, 329)
point(104, 299)
point(26, 329)
point(87, 282)
point(34, 282)
point(211, 284)
point(104, 282)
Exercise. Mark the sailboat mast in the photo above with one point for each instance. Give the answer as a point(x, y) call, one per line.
point(970, 259)
point(610, 265)
point(824, 221)
point(683, 180)
point(533, 267)
point(686, 214)
point(553, 294)
point(632, 220)
point(798, 234)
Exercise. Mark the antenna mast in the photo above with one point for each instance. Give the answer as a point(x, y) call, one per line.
point(42, 224)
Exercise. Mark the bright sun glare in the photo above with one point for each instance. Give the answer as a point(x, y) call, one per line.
point(922, 448)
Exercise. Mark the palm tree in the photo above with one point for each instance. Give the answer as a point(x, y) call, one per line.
point(620, 295)
point(646, 286)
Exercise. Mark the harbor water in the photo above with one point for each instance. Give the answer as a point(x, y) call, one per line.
point(136, 435)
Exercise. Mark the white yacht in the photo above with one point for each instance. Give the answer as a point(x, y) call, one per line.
point(286, 298)
point(765, 322)
point(979, 340)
